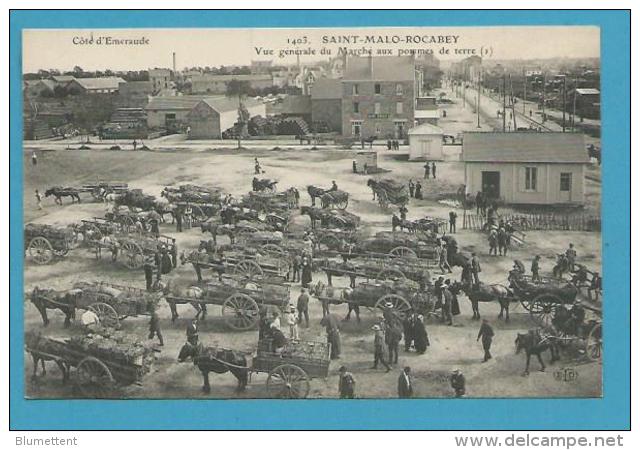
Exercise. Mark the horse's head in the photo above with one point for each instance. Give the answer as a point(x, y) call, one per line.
point(520, 342)
point(49, 192)
point(188, 351)
point(371, 182)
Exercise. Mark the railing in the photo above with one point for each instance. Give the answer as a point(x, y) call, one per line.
point(533, 222)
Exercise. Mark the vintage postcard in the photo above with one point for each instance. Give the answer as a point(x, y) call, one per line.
point(312, 213)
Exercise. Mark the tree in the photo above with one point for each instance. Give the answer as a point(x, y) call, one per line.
point(240, 89)
point(77, 70)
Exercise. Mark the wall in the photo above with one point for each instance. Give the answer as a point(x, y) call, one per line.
point(382, 126)
point(512, 182)
point(156, 118)
point(416, 147)
point(328, 111)
point(204, 123)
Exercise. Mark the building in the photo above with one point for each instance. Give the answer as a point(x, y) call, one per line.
point(135, 94)
point(292, 106)
point(426, 111)
point(326, 105)
point(217, 84)
point(35, 88)
point(425, 143)
point(169, 112)
point(62, 80)
point(261, 66)
point(160, 79)
point(104, 85)
point(526, 168)
point(587, 103)
point(211, 116)
point(378, 96)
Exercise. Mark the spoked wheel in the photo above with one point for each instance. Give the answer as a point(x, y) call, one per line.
point(342, 204)
point(107, 315)
point(543, 308)
point(40, 250)
point(403, 252)
point(288, 381)
point(198, 214)
point(240, 312)
point(273, 250)
point(399, 304)
point(94, 379)
point(391, 274)
point(128, 224)
point(248, 269)
point(329, 242)
point(132, 256)
point(593, 346)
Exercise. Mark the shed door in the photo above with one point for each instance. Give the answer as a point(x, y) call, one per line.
point(491, 184)
point(426, 148)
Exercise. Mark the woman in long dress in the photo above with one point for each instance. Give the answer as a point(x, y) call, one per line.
point(420, 336)
point(306, 273)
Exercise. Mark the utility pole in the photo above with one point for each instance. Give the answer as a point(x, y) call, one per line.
point(524, 95)
point(564, 102)
point(504, 102)
point(479, 83)
point(464, 90)
point(513, 104)
point(544, 89)
point(573, 116)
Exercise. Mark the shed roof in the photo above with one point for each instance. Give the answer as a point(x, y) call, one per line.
point(380, 68)
point(63, 78)
point(99, 83)
point(425, 128)
point(225, 104)
point(525, 147)
point(176, 102)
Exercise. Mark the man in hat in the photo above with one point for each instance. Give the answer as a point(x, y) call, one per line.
point(577, 316)
point(306, 277)
point(154, 326)
point(378, 348)
point(427, 171)
point(331, 324)
point(595, 286)
point(192, 332)
point(149, 265)
point(571, 257)
point(535, 269)
point(458, 383)
point(444, 258)
point(405, 383)
point(411, 188)
point(408, 325)
point(475, 268)
point(447, 303)
point(486, 333)
point(346, 383)
point(303, 306)
point(453, 217)
point(403, 212)
point(433, 170)
point(334, 186)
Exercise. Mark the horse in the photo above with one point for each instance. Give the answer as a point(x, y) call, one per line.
point(315, 192)
point(163, 206)
point(191, 292)
point(315, 214)
point(331, 198)
point(403, 224)
point(217, 360)
point(483, 293)
point(562, 266)
point(59, 192)
point(65, 301)
point(373, 184)
point(265, 184)
point(31, 341)
point(535, 344)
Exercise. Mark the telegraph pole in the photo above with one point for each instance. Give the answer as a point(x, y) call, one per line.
point(573, 117)
point(524, 95)
point(564, 102)
point(479, 83)
point(544, 89)
point(504, 102)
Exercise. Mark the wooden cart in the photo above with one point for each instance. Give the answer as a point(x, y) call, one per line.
point(45, 242)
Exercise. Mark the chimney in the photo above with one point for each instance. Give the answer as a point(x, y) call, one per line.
point(174, 62)
point(370, 57)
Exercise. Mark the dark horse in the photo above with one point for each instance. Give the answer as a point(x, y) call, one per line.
point(534, 343)
point(59, 192)
point(31, 340)
point(265, 184)
point(484, 293)
point(65, 301)
point(217, 360)
point(315, 192)
point(562, 266)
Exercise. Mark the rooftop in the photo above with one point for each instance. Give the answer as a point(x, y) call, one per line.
point(380, 68)
point(426, 128)
point(99, 83)
point(326, 89)
point(525, 147)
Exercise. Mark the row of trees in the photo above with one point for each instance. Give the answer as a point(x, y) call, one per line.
point(78, 72)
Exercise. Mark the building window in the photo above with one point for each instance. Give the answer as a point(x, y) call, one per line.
point(399, 107)
point(356, 127)
point(378, 130)
point(377, 88)
point(399, 89)
point(376, 108)
point(354, 89)
point(565, 182)
point(356, 107)
point(531, 178)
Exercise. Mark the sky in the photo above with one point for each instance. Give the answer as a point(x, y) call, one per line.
point(64, 49)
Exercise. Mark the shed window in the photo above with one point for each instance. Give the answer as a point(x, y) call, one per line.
point(356, 107)
point(377, 88)
point(399, 89)
point(531, 178)
point(565, 182)
point(354, 89)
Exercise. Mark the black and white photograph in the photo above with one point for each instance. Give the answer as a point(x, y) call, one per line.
point(346, 213)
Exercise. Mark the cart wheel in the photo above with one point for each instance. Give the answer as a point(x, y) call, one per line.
point(400, 305)
point(403, 252)
point(593, 346)
point(383, 201)
point(240, 312)
point(391, 274)
point(329, 242)
point(248, 269)
point(273, 250)
point(128, 224)
point(132, 256)
point(40, 250)
point(107, 315)
point(288, 381)
point(543, 308)
point(342, 204)
point(94, 379)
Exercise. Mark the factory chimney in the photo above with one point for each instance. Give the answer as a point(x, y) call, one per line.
point(174, 62)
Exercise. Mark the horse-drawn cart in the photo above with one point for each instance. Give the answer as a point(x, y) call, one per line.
point(388, 192)
point(131, 250)
point(240, 300)
point(104, 361)
point(100, 189)
point(377, 269)
point(44, 242)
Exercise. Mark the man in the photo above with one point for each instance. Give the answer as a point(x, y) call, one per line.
point(378, 348)
point(412, 187)
point(154, 326)
point(420, 336)
point(330, 322)
point(475, 268)
point(405, 383)
point(595, 286)
point(447, 304)
point(34, 159)
point(149, 265)
point(408, 325)
point(306, 276)
point(571, 256)
point(38, 199)
point(256, 166)
point(418, 192)
point(389, 144)
point(297, 262)
point(458, 383)
point(479, 203)
point(192, 332)
point(334, 186)
point(135, 144)
point(153, 224)
point(303, 307)
point(278, 339)
point(437, 289)
point(444, 258)
point(486, 333)
point(178, 214)
point(433, 170)
point(453, 216)
point(403, 212)
point(535, 269)
point(577, 317)
point(346, 383)
point(427, 170)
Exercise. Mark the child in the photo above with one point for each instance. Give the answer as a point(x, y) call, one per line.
point(292, 321)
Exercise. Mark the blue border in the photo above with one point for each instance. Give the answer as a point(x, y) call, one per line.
point(612, 412)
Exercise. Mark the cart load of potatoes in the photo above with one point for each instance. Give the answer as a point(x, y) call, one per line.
point(135, 198)
point(44, 242)
point(271, 201)
point(193, 194)
point(389, 192)
point(396, 244)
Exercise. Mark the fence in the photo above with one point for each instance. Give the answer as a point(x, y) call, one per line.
point(532, 222)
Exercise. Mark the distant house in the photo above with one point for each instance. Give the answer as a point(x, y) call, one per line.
point(425, 143)
point(526, 168)
point(211, 116)
point(217, 84)
point(161, 79)
point(326, 104)
point(62, 80)
point(426, 111)
point(587, 102)
point(104, 85)
point(168, 112)
point(292, 106)
point(35, 88)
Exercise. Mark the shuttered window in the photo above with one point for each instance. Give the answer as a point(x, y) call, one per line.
point(565, 182)
point(530, 178)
